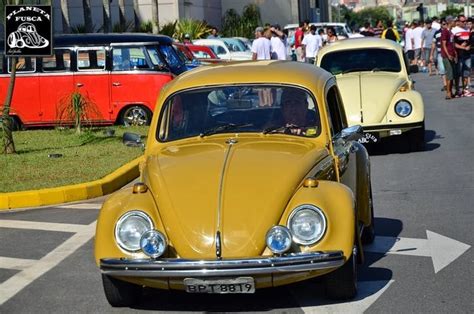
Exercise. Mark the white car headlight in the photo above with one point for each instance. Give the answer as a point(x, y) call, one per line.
point(130, 228)
point(403, 108)
point(278, 239)
point(153, 243)
point(307, 223)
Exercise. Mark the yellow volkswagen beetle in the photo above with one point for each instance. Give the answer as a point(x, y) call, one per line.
point(373, 77)
point(251, 179)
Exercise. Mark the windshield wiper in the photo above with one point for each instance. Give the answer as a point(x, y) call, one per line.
point(354, 70)
point(223, 128)
point(387, 69)
point(284, 128)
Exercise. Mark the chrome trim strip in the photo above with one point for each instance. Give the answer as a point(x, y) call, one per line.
point(169, 267)
point(323, 166)
point(229, 142)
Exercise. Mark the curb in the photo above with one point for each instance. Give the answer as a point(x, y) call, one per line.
point(70, 193)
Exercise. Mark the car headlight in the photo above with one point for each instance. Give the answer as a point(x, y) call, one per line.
point(153, 243)
point(130, 228)
point(403, 108)
point(278, 239)
point(307, 223)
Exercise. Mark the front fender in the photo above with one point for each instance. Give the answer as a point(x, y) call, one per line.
point(418, 113)
point(114, 207)
point(337, 202)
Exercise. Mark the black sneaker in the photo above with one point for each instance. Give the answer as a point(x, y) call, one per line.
point(443, 89)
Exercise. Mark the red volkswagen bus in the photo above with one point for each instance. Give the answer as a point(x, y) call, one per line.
point(121, 74)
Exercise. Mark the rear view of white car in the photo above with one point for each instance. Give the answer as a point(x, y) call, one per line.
point(226, 49)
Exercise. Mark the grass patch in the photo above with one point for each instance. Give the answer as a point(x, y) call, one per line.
point(85, 157)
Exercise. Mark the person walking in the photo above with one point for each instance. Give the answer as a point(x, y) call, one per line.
point(331, 35)
point(391, 33)
point(449, 55)
point(312, 42)
point(214, 33)
point(299, 34)
point(427, 37)
point(278, 43)
point(367, 30)
point(417, 30)
point(378, 29)
point(463, 50)
point(409, 44)
point(261, 46)
point(435, 55)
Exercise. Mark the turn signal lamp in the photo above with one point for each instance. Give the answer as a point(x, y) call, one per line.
point(310, 182)
point(405, 87)
point(139, 187)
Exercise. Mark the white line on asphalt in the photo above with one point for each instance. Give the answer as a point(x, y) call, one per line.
point(16, 283)
point(36, 225)
point(81, 206)
point(16, 263)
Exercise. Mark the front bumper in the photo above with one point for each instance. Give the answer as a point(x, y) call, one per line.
point(385, 129)
point(175, 267)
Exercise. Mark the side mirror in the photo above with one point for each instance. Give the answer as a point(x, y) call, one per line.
point(132, 140)
point(352, 133)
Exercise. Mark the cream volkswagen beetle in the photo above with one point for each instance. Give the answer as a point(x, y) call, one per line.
point(377, 92)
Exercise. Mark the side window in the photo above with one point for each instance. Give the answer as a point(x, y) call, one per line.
point(336, 111)
point(92, 59)
point(130, 58)
point(1, 62)
point(221, 50)
point(24, 65)
point(59, 61)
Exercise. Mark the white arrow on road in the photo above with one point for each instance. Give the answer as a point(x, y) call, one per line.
point(442, 250)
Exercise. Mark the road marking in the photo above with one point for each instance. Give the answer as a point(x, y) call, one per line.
point(16, 263)
point(81, 206)
point(16, 283)
point(442, 250)
point(36, 225)
point(367, 293)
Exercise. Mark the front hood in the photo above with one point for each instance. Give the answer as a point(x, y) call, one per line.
point(251, 182)
point(369, 92)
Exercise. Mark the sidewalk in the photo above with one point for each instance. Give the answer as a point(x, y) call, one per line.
point(70, 193)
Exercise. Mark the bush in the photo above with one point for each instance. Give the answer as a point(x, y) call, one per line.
point(77, 109)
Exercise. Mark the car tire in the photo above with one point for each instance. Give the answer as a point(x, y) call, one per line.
point(120, 293)
point(416, 139)
point(368, 233)
point(135, 116)
point(341, 284)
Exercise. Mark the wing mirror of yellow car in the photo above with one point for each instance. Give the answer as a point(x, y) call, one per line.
point(132, 140)
point(352, 133)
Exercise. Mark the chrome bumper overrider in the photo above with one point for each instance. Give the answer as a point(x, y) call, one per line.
point(175, 267)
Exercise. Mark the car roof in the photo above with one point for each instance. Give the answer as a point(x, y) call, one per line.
point(359, 43)
point(209, 41)
point(253, 72)
point(107, 39)
point(290, 26)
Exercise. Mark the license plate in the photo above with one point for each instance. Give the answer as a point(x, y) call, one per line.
point(221, 286)
point(368, 138)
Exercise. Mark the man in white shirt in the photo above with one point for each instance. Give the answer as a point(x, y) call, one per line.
point(311, 44)
point(278, 43)
point(417, 31)
point(261, 46)
point(409, 44)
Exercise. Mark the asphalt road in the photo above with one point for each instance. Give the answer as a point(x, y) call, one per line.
point(422, 261)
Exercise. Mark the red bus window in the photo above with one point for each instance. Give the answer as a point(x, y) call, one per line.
point(130, 58)
point(91, 59)
point(59, 61)
point(24, 65)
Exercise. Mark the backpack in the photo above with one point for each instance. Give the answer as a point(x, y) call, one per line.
point(389, 34)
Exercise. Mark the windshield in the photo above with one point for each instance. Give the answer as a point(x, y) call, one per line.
point(346, 61)
point(234, 45)
point(239, 109)
point(171, 58)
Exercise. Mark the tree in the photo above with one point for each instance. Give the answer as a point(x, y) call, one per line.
point(107, 27)
point(451, 10)
point(122, 19)
point(86, 7)
point(65, 17)
point(154, 16)
point(136, 20)
point(7, 122)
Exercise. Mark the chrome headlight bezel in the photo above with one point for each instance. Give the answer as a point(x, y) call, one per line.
point(403, 108)
point(317, 211)
point(283, 230)
point(122, 220)
point(160, 236)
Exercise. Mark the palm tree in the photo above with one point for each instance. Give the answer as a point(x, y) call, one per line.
point(154, 16)
point(65, 17)
point(86, 7)
point(136, 21)
point(107, 27)
point(122, 20)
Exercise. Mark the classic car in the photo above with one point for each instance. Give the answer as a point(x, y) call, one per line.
point(377, 91)
point(251, 179)
point(204, 54)
point(226, 48)
point(186, 55)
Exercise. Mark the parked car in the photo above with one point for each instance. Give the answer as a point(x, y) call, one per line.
point(237, 194)
point(377, 91)
point(247, 42)
point(186, 55)
point(120, 73)
point(224, 49)
point(342, 30)
point(204, 54)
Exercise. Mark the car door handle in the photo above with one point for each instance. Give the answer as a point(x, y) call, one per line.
point(79, 84)
point(116, 84)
